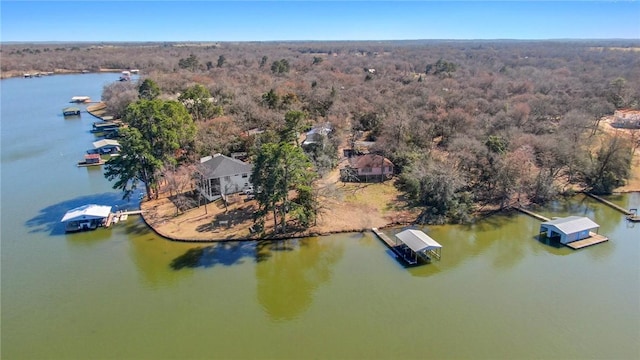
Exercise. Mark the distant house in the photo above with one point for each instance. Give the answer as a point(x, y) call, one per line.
point(125, 76)
point(367, 168)
point(317, 134)
point(569, 229)
point(627, 119)
point(221, 175)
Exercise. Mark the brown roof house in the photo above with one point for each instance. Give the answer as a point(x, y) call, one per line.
point(367, 168)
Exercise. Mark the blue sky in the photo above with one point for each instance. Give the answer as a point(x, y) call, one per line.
point(316, 20)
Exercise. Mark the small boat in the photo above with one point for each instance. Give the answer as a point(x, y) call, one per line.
point(71, 111)
point(80, 99)
point(633, 216)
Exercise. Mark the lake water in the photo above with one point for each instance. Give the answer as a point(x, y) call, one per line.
point(126, 293)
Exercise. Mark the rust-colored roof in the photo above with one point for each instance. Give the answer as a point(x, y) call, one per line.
point(370, 161)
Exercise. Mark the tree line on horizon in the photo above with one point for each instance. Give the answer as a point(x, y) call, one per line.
point(467, 124)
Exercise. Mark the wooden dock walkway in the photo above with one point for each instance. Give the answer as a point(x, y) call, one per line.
point(397, 249)
point(384, 237)
point(607, 202)
point(531, 213)
point(591, 240)
point(116, 217)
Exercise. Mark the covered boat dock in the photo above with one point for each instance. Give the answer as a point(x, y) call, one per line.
point(575, 232)
point(416, 244)
point(86, 217)
point(412, 246)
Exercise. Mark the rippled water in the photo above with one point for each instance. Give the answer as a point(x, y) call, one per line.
point(126, 293)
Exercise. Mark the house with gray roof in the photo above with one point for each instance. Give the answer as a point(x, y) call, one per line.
point(569, 229)
point(220, 175)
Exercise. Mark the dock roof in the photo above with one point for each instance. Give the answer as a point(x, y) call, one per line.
point(572, 224)
point(87, 212)
point(105, 142)
point(417, 240)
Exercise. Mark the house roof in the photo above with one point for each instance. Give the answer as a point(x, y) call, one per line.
point(105, 142)
point(219, 165)
point(572, 224)
point(370, 161)
point(417, 240)
point(87, 212)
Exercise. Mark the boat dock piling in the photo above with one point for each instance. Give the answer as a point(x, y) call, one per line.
point(114, 218)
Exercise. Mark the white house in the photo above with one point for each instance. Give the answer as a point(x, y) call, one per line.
point(221, 175)
point(569, 229)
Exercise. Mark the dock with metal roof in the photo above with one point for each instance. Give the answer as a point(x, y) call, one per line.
point(576, 232)
point(412, 246)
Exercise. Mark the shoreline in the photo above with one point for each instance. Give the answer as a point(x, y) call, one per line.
point(14, 74)
point(200, 225)
point(171, 227)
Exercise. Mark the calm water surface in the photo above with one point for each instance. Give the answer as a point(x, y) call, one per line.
point(125, 293)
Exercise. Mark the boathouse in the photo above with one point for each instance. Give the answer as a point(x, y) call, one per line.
point(569, 229)
point(70, 111)
point(106, 146)
point(86, 217)
point(416, 244)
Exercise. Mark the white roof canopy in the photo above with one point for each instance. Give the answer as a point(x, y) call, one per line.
point(87, 212)
point(105, 142)
point(572, 224)
point(417, 240)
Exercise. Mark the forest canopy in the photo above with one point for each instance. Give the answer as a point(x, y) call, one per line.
point(464, 122)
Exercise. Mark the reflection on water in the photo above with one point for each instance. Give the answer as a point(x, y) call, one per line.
point(287, 271)
point(296, 268)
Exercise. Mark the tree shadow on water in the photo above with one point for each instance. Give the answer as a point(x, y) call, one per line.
point(48, 219)
point(233, 253)
point(227, 254)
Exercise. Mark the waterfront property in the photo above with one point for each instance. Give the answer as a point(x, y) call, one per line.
point(317, 134)
point(221, 175)
point(574, 231)
point(86, 217)
point(367, 168)
point(71, 111)
point(412, 246)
